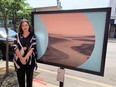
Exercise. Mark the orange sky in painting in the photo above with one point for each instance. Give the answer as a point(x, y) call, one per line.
point(74, 24)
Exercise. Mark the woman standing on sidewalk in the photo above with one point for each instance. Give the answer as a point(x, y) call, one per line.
point(25, 54)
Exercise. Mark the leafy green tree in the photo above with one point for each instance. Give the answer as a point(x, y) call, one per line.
point(19, 9)
point(4, 13)
point(12, 9)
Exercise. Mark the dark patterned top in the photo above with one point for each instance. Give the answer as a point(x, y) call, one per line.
point(28, 42)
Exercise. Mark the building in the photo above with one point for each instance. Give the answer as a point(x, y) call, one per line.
point(51, 8)
point(112, 27)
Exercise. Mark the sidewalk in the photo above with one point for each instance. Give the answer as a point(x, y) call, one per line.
point(11, 79)
point(79, 79)
point(45, 76)
point(112, 40)
point(40, 83)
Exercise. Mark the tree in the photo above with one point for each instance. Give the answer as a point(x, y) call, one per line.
point(4, 12)
point(19, 8)
point(11, 9)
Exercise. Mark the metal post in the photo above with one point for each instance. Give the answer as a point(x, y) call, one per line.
point(59, 4)
point(61, 84)
point(60, 77)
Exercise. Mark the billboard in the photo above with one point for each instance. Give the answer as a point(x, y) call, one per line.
point(73, 39)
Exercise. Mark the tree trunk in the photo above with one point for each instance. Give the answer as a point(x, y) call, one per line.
point(14, 23)
point(7, 47)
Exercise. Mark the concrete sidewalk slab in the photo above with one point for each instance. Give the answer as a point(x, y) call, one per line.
point(40, 83)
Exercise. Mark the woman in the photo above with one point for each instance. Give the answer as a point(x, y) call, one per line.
point(25, 53)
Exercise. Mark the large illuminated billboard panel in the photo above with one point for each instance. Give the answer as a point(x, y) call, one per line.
point(73, 39)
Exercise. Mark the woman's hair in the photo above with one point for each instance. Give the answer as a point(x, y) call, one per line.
point(20, 26)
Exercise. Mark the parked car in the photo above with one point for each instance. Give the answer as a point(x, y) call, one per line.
point(3, 36)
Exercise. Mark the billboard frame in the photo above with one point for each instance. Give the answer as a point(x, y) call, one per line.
point(104, 49)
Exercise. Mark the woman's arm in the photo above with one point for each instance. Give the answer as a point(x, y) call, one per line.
point(32, 47)
point(18, 53)
point(29, 53)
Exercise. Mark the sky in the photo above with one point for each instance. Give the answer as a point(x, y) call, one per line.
point(70, 4)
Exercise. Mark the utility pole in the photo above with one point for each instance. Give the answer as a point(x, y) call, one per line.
point(59, 4)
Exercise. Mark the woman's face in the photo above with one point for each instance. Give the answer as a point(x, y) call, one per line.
point(25, 27)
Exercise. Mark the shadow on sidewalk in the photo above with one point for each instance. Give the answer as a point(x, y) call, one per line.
point(11, 79)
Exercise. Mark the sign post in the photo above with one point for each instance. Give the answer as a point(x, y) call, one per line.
point(60, 76)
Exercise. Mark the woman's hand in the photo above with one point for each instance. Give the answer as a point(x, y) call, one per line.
point(24, 48)
point(28, 53)
point(23, 61)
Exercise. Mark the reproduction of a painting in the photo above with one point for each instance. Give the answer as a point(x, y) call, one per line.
point(74, 39)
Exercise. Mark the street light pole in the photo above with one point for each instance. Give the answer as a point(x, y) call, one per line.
point(59, 4)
